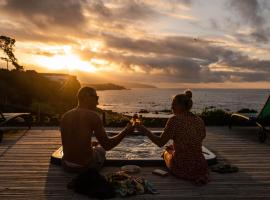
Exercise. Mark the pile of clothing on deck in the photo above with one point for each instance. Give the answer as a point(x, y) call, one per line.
point(125, 184)
point(93, 184)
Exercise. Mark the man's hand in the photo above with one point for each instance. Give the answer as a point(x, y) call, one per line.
point(141, 128)
point(129, 128)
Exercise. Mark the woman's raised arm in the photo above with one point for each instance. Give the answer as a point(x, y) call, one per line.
point(164, 137)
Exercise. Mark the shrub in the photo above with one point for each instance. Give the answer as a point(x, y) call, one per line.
point(215, 117)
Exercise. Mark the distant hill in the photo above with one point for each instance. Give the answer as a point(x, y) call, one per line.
point(137, 85)
point(105, 86)
point(120, 86)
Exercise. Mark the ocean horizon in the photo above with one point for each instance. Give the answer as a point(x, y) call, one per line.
point(156, 100)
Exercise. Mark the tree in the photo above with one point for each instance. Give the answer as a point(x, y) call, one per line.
point(7, 44)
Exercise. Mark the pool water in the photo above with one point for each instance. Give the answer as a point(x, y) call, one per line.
point(141, 148)
point(135, 147)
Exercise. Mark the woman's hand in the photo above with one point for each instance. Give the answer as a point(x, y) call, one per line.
point(129, 128)
point(141, 128)
point(169, 148)
point(95, 143)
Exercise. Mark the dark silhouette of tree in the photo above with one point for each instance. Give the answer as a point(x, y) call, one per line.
point(7, 45)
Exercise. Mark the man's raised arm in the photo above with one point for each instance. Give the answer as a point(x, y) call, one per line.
point(109, 142)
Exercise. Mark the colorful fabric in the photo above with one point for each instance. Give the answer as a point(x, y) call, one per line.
point(126, 185)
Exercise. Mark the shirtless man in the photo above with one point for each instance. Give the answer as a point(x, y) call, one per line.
point(77, 127)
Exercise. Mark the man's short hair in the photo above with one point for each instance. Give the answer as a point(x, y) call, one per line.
point(84, 92)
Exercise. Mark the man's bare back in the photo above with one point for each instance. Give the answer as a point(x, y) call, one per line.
point(77, 127)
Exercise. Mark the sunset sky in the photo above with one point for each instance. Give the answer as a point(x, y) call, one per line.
point(173, 43)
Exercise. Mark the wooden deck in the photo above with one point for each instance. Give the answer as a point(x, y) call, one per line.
point(26, 172)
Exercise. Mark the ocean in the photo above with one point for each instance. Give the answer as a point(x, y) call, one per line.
point(154, 100)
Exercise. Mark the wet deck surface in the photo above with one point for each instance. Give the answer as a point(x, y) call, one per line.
point(26, 172)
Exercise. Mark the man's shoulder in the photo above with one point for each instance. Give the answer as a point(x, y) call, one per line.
point(83, 112)
point(93, 114)
point(70, 112)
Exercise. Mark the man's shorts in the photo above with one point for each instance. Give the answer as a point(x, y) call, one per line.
point(96, 163)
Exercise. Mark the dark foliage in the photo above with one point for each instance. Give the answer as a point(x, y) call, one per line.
point(215, 117)
point(31, 92)
point(247, 110)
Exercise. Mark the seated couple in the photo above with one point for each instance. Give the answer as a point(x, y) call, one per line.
point(184, 158)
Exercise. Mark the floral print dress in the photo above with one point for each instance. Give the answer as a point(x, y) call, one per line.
point(187, 132)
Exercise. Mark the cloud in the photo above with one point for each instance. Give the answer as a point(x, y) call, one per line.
point(249, 10)
point(252, 13)
point(122, 27)
point(134, 10)
point(187, 2)
point(237, 60)
point(138, 10)
point(49, 12)
point(174, 45)
point(121, 11)
point(98, 7)
point(56, 20)
point(23, 34)
point(182, 59)
point(82, 19)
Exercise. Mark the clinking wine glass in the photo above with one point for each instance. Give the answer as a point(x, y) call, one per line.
point(135, 120)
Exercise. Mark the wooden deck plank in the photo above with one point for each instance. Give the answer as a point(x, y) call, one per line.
point(27, 174)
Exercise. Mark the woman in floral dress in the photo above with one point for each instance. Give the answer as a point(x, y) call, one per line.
point(184, 158)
